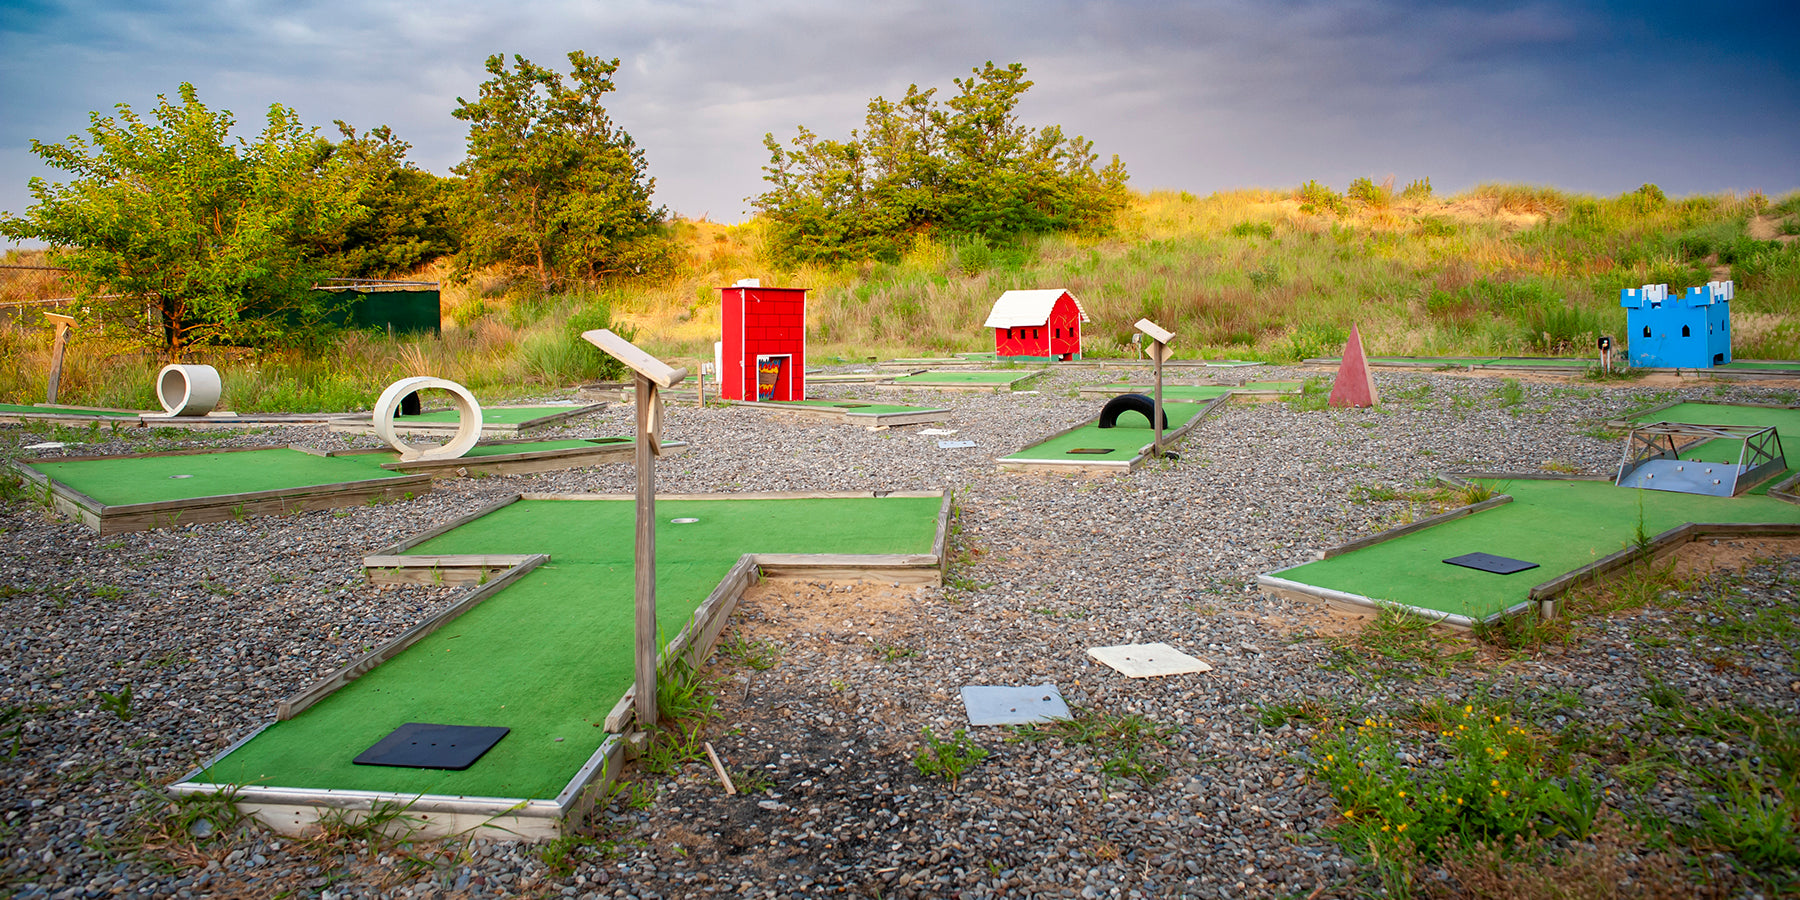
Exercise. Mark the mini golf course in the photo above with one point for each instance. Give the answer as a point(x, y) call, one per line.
point(988, 382)
point(1191, 393)
point(854, 412)
point(495, 420)
point(1091, 450)
point(1573, 529)
point(112, 494)
point(546, 648)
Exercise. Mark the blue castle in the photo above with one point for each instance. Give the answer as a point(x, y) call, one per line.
point(1687, 331)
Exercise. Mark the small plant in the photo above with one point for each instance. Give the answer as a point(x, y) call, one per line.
point(1125, 744)
point(760, 655)
point(118, 704)
point(752, 781)
point(1473, 492)
point(891, 652)
point(948, 758)
point(1395, 636)
point(1510, 393)
point(561, 855)
point(386, 822)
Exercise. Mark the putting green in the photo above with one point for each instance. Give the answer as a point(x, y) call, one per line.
point(1560, 525)
point(549, 656)
point(996, 379)
point(1188, 393)
point(856, 407)
point(1124, 440)
point(490, 415)
point(66, 411)
point(123, 480)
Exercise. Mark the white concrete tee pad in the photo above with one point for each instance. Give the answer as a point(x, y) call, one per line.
point(1148, 660)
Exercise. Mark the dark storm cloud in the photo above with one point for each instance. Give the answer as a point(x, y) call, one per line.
point(1195, 96)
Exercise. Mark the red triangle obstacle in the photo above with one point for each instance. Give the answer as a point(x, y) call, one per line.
point(1355, 386)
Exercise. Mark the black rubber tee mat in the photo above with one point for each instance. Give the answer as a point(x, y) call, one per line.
point(1488, 562)
point(417, 745)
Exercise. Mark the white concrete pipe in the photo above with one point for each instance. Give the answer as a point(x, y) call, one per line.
point(187, 390)
point(468, 418)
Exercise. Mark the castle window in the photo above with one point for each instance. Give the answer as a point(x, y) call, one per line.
point(1646, 331)
point(1685, 332)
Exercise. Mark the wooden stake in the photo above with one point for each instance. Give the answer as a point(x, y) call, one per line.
point(645, 561)
point(63, 324)
point(719, 768)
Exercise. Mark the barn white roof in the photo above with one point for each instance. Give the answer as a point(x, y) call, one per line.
point(1015, 308)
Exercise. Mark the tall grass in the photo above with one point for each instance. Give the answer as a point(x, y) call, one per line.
point(1262, 274)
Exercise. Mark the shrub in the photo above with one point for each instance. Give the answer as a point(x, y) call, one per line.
point(1315, 197)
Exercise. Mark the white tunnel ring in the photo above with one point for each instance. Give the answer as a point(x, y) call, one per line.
point(188, 390)
point(468, 418)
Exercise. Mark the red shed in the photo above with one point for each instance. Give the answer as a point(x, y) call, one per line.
point(763, 355)
point(1045, 324)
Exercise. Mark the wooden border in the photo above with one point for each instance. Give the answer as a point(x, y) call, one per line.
point(1099, 467)
point(118, 518)
point(528, 461)
point(293, 811)
point(360, 425)
point(961, 387)
point(842, 415)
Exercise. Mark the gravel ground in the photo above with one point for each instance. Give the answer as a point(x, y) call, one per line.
point(210, 625)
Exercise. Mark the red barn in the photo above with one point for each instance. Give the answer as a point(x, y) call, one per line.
point(763, 355)
point(1045, 324)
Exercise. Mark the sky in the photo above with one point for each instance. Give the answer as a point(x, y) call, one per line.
point(1593, 98)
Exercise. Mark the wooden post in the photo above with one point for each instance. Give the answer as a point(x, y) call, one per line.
point(63, 323)
point(645, 561)
point(651, 374)
point(1158, 350)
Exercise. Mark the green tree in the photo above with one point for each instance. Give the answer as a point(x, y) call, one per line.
point(965, 168)
point(184, 235)
point(409, 214)
point(551, 184)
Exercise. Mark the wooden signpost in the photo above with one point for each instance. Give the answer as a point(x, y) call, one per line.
point(652, 375)
point(1159, 353)
point(63, 324)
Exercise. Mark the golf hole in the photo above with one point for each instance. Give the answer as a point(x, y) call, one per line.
point(683, 521)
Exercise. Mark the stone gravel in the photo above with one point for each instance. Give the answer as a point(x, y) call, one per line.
point(210, 625)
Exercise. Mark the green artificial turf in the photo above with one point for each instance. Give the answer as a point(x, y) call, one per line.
point(550, 656)
point(490, 415)
point(1189, 393)
point(1125, 439)
point(1560, 525)
point(150, 479)
point(857, 407)
point(996, 379)
point(1754, 364)
point(66, 411)
point(533, 447)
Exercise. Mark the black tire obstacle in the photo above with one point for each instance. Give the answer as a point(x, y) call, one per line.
point(1137, 403)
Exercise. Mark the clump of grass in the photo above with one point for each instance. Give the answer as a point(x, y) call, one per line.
point(1126, 746)
point(948, 758)
point(758, 654)
point(1395, 642)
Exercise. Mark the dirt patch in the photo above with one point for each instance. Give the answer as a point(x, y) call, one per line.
point(1704, 557)
point(800, 611)
point(1768, 228)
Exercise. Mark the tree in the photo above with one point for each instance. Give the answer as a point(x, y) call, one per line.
point(550, 184)
point(189, 236)
point(408, 216)
point(967, 168)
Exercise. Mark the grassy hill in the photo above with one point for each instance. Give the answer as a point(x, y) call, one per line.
point(1274, 275)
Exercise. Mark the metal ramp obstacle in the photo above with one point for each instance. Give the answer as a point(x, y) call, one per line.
point(1663, 457)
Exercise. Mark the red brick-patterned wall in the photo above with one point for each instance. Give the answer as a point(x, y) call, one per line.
point(762, 322)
